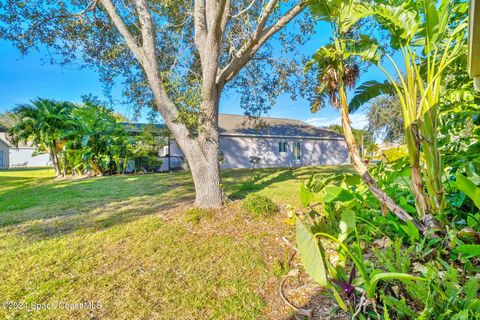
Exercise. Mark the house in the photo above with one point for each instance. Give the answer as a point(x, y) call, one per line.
point(21, 155)
point(474, 42)
point(276, 142)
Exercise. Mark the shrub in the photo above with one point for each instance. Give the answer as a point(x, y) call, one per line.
point(194, 215)
point(259, 206)
point(393, 154)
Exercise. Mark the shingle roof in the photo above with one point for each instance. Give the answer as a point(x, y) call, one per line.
point(21, 144)
point(240, 125)
point(231, 124)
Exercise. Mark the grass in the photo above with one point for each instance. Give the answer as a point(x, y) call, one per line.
point(123, 242)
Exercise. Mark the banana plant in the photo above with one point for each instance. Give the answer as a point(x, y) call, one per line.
point(429, 37)
point(337, 65)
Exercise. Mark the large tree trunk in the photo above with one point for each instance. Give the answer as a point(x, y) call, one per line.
point(360, 167)
point(207, 180)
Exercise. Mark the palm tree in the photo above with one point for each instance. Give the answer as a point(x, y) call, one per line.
point(430, 35)
point(42, 123)
point(338, 68)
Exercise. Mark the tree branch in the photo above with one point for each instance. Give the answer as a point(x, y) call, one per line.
point(148, 36)
point(146, 55)
point(200, 23)
point(257, 39)
point(244, 10)
point(122, 28)
point(91, 6)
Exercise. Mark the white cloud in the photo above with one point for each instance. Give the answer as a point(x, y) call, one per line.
point(359, 121)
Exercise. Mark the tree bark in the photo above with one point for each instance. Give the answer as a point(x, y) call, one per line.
point(207, 180)
point(54, 159)
point(360, 167)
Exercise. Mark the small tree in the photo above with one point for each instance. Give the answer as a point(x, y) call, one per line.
point(96, 141)
point(42, 122)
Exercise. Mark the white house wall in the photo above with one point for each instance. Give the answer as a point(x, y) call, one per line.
point(238, 150)
point(22, 155)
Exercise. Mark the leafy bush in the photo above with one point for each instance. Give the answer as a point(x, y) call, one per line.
point(353, 220)
point(195, 215)
point(259, 206)
point(393, 154)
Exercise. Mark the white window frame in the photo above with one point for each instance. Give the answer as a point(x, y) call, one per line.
point(297, 153)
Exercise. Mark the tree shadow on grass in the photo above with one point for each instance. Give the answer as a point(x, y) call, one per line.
point(249, 181)
point(45, 208)
point(60, 207)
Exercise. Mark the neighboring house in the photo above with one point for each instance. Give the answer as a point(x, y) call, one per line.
point(279, 143)
point(474, 42)
point(22, 155)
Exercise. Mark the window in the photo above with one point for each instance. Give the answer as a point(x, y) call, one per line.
point(297, 151)
point(282, 146)
point(1, 159)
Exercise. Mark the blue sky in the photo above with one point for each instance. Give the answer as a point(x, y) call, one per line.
point(23, 78)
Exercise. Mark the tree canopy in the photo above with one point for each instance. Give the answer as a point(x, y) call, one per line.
point(385, 119)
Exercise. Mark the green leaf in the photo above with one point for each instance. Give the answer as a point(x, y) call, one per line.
point(411, 231)
point(404, 204)
point(339, 299)
point(336, 193)
point(461, 315)
point(470, 289)
point(468, 250)
point(347, 224)
point(389, 276)
point(310, 254)
point(400, 20)
point(431, 19)
point(320, 10)
point(385, 312)
point(306, 195)
point(369, 90)
point(352, 179)
point(331, 193)
point(469, 188)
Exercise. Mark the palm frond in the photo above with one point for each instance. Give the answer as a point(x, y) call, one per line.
point(369, 90)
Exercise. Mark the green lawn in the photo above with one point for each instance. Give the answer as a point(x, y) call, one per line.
point(124, 242)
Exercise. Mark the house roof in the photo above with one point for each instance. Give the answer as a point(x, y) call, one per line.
point(21, 144)
point(239, 125)
point(474, 42)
